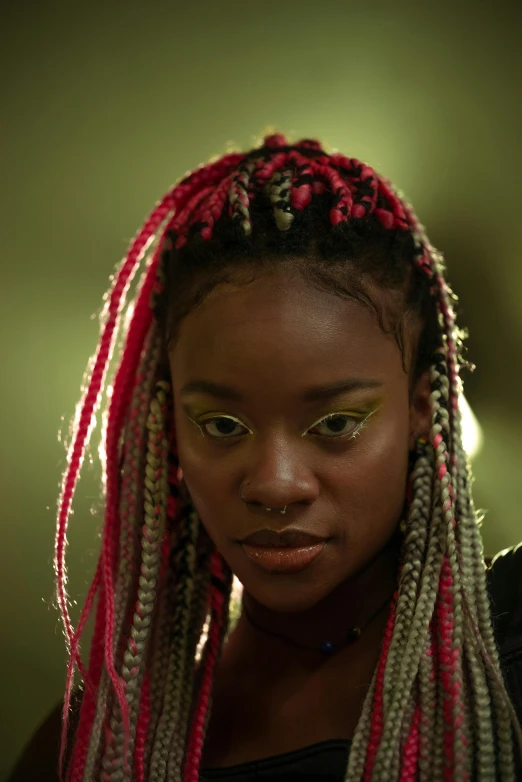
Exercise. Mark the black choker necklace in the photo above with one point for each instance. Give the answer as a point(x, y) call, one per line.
point(326, 647)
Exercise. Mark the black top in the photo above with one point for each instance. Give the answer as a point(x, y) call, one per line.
point(322, 762)
point(326, 761)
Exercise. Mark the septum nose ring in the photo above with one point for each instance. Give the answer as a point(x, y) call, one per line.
point(282, 512)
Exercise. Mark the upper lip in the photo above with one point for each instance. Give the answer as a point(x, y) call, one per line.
point(291, 537)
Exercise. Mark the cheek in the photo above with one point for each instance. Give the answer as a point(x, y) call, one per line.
point(378, 470)
point(205, 479)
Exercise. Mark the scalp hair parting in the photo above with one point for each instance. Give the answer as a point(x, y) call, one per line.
point(437, 707)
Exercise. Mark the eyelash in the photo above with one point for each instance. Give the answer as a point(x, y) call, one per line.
point(350, 435)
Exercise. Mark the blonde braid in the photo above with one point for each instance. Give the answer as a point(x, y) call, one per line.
point(407, 721)
point(133, 441)
point(164, 630)
point(414, 549)
point(484, 638)
point(238, 196)
point(477, 604)
point(436, 743)
point(490, 693)
point(161, 653)
point(413, 649)
point(428, 702)
point(166, 640)
point(169, 719)
point(483, 724)
point(190, 690)
point(481, 733)
point(278, 191)
point(155, 501)
point(359, 743)
point(439, 375)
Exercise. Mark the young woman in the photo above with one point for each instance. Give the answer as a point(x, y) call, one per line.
point(286, 411)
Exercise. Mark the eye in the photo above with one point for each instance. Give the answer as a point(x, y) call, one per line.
point(223, 425)
point(339, 425)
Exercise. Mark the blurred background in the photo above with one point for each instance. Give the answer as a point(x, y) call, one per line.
point(105, 106)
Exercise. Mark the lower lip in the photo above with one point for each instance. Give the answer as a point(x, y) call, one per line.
point(283, 560)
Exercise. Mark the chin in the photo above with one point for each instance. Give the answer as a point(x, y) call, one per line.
point(287, 604)
point(286, 594)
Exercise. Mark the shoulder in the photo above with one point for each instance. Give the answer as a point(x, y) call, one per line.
point(504, 578)
point(39, 759)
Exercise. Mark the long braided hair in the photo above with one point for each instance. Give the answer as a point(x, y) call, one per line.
point(437, 707)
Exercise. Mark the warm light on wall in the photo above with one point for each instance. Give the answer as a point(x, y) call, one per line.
point(472, 437)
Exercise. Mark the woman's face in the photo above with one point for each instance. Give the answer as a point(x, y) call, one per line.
point(271, 343)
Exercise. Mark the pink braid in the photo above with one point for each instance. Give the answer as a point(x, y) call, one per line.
point(208, 178)
point(310, 143)
point(397, 209)
point(366, 175)
point(341, 212)
point(141, 729)
point(377, 712)
point(275, 141)
point(210, 210)
point(88, 707)
point(301, 193)
point(268, 168)
point(204, 175)
point(410, 756)
point(73, 659)
point(184, 218)
point(448, 659)
point(195, 744)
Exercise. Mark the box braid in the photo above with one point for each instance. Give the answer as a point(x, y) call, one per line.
point(131, 495)
point(437, 707)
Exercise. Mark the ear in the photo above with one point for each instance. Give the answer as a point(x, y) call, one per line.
point(420, 410)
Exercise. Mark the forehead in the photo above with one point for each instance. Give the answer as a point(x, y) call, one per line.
point(281, 330)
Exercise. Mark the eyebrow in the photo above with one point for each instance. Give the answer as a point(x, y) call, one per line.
point(312, 394)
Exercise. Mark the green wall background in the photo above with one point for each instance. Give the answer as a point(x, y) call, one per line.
point(106, 105)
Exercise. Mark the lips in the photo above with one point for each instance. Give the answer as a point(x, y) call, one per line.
point(283, 560)
point(289, 538)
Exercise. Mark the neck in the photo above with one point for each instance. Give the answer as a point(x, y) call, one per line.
point(350, 604)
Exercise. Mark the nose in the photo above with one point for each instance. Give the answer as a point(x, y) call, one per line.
point(280, 476)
